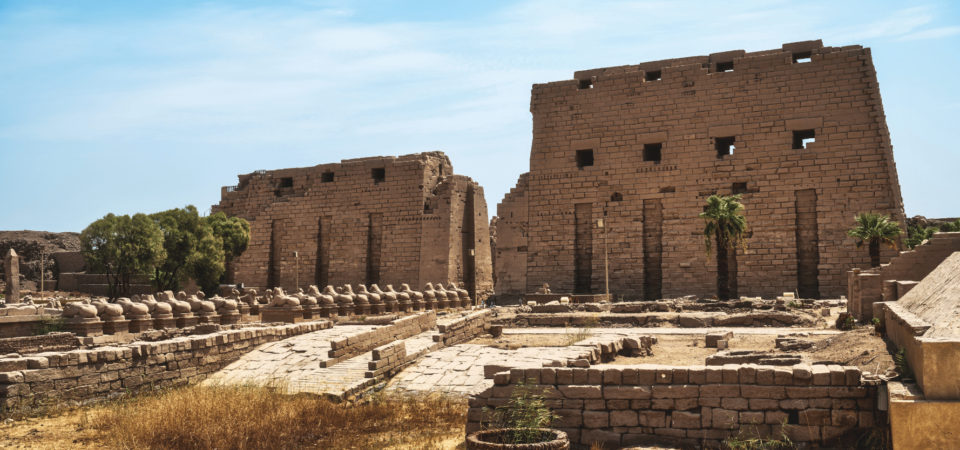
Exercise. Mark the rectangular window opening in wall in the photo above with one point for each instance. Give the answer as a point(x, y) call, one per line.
point(725, 67)
point(802, 138)
point(286, 182)
point(739, 188)
point(651, 152)
point(668, 189)
point(652, 75)
point(326, 177)
point(584, 158)
point(379, 175)
point(586, 84)
point(802, 57)
point(725, 146)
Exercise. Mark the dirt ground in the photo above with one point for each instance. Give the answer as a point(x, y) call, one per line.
point(860, 347)
point(61, 432)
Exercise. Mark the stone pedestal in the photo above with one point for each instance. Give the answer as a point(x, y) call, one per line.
point(230, 317)
point(186, 320)
point(419, 305)
point(84, 327)
point(285, 314)
point(406, 306)
point(391, 307)
point(208, 317)
point(377, 308)
point(431, 305)
point(443, 304)
point(327, 311)
point(115, 325)
point(244, 312)
point(164, 321)
point(311, 312)
point(362, 309)
point(345, 309)
point(140, 323)
point(255, 310)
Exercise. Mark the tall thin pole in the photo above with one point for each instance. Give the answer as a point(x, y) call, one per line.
point(296, 255)
point(41, 276)
point(606, 265)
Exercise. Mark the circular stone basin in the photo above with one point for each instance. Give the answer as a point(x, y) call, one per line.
point(492, 440)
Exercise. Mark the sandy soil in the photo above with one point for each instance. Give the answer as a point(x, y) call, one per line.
point(65, 431)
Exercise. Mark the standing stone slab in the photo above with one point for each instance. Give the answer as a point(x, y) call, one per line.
point(11, 271)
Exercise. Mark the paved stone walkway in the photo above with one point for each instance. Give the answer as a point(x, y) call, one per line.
point(460, 368)
point(296, 362)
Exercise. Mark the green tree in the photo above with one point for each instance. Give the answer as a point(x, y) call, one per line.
point(917, 235)
point(726, 224)
point(233, 231)
point(198, 247)
point(950, 227)
point(121, 247)
point(875, 229)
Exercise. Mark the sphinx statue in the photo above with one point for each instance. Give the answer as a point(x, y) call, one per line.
point(403, 299)
point(463, 294)
point(80, 310)
point(346, 301)
point(374, 299)
point(328, 296)
point(389, 299)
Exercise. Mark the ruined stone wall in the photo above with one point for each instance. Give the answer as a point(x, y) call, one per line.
point(83, 375)
point(511, 268)
point(865, 287)
point(385, 220)
point(613, 143)
point(650, 405)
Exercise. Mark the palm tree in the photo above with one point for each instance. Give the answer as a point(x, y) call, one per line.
point(875, 229)
point(726, 223)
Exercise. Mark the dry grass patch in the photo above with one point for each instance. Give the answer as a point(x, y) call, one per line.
point(252, 417)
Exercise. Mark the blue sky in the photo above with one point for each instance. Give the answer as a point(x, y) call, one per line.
point(131, 107)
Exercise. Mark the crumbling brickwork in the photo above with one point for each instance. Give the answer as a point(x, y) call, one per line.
point(385, 220)
point(643, 146)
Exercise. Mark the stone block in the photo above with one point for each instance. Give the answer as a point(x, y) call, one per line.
point(683, 419)
point(596, 419)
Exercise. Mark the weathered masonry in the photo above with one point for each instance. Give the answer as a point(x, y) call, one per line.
point(798, 131)
point(385, 220)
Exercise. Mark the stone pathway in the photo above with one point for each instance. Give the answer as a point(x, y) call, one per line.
point(460, 368)
point(296, 362)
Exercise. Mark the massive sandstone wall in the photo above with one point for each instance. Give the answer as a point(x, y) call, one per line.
point(643, 146)
point(384, 220)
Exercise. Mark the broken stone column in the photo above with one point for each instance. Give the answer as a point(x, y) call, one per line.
point(12, 276)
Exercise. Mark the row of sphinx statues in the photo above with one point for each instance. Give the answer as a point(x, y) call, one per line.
point(341, 299)
point(375, 299)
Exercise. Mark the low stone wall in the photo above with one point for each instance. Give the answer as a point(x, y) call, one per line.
point(649, 405)
point(19, 320)
point(360, 343)
point(392, 358)
point(463, 329)
point(86, 375)
point(693, 320)
point(53, 342)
